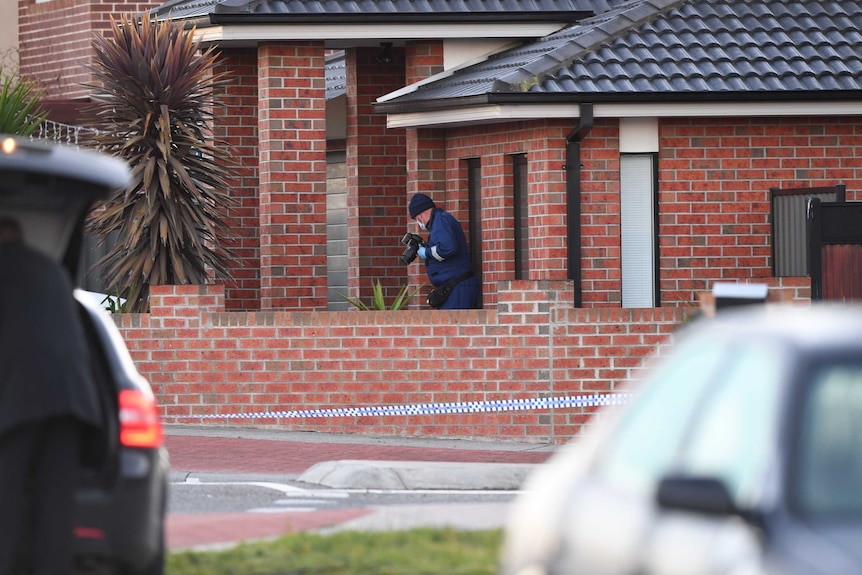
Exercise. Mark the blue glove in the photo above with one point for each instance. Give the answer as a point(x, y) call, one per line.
point(421, 252)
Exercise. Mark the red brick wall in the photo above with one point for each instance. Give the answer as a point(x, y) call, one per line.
point(544, 145)
point(203, 361)
point(426, 173)
point(714, 180)
point(601, 252)
point(292, 129)
point(376, 177)
point(715, 185)
point(424, 59)
point(425, 150)
point(55, 40)
point(236, 124)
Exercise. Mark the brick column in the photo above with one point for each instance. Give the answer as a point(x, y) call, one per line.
point(426, 173)
point(426, 148)
point(292, 128)
point(376, 176)
point(235, 123)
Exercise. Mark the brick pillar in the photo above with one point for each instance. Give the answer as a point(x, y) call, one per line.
point(423, 60)
point(426, 148)
point(547, 202)
point(235, 123)
point(376, 176)
point(292, 128)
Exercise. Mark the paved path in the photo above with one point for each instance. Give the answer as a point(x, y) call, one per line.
point(290, 454)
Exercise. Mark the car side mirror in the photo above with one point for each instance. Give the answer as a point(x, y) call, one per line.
point(698, 494)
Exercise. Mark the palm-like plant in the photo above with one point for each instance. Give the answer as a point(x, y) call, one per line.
point(378, 303)
point(20, 111)
point(152, 106)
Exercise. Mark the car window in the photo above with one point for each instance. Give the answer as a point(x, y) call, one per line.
point(649, 434)
point(734, 436)
point(829, 468)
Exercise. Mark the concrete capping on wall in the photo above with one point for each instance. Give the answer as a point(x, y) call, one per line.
point(205, 363)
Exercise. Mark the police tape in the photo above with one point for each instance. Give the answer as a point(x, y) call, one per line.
point(597, 400)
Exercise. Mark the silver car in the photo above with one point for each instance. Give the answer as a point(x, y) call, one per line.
point(739, 453)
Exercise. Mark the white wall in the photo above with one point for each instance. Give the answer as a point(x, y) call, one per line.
point(9, 36)
point(461, 51)
point(336, 118)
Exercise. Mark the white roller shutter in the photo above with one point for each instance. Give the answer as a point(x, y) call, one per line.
point(637, 228)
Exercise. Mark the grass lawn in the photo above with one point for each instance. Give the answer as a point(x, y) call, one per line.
point(414, 552)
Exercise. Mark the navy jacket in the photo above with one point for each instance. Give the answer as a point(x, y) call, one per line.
point(449, 257)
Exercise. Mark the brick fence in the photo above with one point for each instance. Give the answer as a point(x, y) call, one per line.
point(203, 361)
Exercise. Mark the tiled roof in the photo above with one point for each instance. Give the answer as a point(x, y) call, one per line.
point(181, 9)
point(673, 49)
point(371, 10)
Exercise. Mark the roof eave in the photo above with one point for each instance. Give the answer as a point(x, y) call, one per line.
point(495, 114)
point(498, 98)
point(430, 105)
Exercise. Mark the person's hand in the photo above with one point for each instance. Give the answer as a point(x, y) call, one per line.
point(421, 252)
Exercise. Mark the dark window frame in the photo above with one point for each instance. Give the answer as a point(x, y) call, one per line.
point(520, 215)
point(474, 224)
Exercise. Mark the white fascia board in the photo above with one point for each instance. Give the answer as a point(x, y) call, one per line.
point(479, 115)
point(514, 112)
point(247, 33)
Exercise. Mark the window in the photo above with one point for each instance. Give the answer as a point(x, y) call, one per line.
point(650, 435)
point(711, 410)
point(789, 248)
point(638, 225)
point(521, 216)
point(735, 432)
point(829, 464)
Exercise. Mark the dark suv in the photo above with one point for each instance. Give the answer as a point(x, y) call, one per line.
point(121, 504)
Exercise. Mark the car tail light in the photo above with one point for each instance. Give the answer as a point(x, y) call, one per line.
point(89, 533)
point(140, 425)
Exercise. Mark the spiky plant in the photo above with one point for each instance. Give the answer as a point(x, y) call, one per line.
point(152, 105)
point(378, 303)
point(20, 111)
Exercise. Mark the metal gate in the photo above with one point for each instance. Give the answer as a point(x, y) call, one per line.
point(835, 250)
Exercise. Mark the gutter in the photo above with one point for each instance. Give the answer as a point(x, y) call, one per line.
point(418, 105)
point(573, 196)
point(562, 17)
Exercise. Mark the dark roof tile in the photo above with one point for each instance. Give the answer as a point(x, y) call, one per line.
point(677, 48)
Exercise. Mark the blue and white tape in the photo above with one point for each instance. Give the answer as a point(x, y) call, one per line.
point(597, 400)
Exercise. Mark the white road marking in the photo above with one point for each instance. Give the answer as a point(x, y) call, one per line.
point(297, 503)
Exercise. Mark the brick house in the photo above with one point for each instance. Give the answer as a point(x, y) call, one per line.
point(609, 160)
point(529, 145)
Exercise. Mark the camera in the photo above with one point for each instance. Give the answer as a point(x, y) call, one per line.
point(413, 242)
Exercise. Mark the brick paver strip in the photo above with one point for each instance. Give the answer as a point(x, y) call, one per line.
point(183, 530)
point(219, 454)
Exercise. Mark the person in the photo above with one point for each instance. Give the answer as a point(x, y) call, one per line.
point(446, 253)
point(48, 408)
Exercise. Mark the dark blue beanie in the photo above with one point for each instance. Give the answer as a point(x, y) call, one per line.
point(419, 203)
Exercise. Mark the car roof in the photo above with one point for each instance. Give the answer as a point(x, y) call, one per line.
point(50, 188)
point(818, 326)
